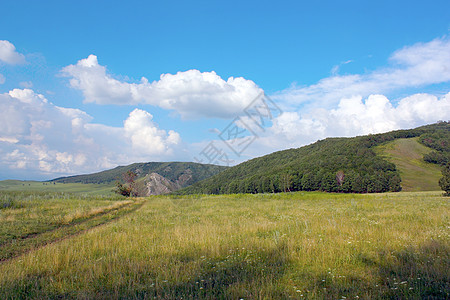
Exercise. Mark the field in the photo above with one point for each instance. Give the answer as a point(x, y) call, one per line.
point(32, 219)
point(78, 188)
point(407, 155)
point(293, 245)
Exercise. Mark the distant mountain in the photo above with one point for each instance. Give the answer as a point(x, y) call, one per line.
point(333, 165)
point(153, 178)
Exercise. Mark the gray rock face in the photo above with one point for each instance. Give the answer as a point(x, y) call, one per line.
point(158, 185)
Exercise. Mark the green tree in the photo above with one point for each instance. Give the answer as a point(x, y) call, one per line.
point(346, 186)
point(285, 182)
point(128, 188)
point(122, 189)
point(394, 182)
point(444, 182)
point(328, 183)
point(308, 182)
point(358, 184)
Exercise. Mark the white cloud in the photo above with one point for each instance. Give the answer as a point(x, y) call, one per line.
point(146, 137)
point(47, 140)
point(9, 140)
point(413, 66)
point(9, 55)
point(335, 69)
point(192, 93)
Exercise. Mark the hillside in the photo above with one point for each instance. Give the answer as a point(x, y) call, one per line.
point(153, 178)
point(407, 155)
point(333, 165)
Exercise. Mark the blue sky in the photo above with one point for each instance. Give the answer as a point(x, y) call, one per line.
point(75, 101)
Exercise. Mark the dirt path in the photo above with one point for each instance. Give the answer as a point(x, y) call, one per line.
point(32, 242)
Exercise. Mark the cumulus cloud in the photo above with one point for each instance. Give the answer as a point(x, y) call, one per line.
point(191, 94)
point(47, 140)
point(9, 55)
point(146, 137)
point(413, 66)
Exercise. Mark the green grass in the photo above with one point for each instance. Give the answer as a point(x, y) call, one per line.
point(32, 219)
point(265, 246)
point(407, 155)
point(79, 188)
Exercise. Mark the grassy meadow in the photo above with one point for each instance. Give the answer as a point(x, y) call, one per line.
point(29, 220)
point(294, 245)
point(39, 186)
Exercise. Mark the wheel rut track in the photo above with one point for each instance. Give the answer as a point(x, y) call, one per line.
point(34, 241)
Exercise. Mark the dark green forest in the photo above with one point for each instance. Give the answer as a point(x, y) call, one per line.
point(332, 165)
point(438, 140)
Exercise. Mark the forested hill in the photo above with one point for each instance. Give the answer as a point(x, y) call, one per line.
point(333, 164)
point(184, 172)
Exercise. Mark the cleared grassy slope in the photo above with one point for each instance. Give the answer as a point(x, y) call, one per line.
point(407, 155)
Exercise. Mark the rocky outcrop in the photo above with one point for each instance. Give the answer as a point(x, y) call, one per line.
point(158, 185)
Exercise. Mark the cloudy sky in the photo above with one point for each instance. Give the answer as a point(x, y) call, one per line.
point(89, 85)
